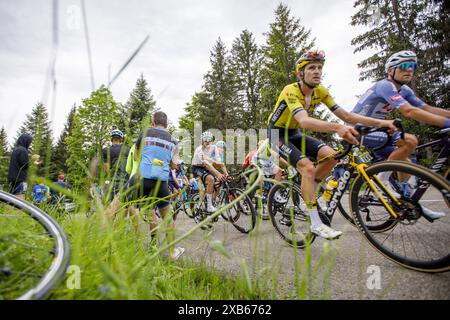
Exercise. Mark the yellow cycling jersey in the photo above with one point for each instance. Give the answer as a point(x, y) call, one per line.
point(292, 100)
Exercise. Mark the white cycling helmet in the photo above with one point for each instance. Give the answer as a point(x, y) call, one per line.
point(207, 136)
point(398, 58)
point(220, 144)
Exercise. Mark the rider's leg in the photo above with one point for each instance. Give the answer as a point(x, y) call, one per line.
point(209, 193)
point(404, 148)
point(323, 169)
point(307, 171)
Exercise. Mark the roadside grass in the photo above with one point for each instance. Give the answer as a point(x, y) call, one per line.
point(116, 260)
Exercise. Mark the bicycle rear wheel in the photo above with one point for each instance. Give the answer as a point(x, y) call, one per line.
point(287, 213)
point(242, 214)
point(34, 250)
point(410, 239)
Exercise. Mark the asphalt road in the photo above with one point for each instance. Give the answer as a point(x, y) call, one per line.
point(347, 268)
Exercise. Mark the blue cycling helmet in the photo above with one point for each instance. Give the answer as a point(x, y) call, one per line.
point(116, 133)
point(220, 144)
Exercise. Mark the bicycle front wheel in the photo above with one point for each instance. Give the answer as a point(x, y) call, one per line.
point(418, 236)
point(34, 250)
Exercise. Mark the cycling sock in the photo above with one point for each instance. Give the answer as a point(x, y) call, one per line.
point(209, 199)
point(311, 210)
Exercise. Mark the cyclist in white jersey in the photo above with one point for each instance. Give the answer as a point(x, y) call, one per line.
point(206, 157)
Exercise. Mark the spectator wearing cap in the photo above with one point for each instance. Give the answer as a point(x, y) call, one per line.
point(60, 183)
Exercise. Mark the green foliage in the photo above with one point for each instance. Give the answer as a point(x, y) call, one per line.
point(419, 25)
point(92, 126)
point(245, 67)
point(61, 149)
point(138, 109)
point(4, 158)
point(38, 125)
point(286, 41)
point(242, 87)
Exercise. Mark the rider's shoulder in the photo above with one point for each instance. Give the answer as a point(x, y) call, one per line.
point(322, 90)
point(383, 85)
point(406, 89)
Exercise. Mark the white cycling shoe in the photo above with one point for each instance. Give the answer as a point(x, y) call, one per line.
point(433, 214)
point(325, 232)
point(210, 208)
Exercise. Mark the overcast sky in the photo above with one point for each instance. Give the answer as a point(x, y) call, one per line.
point(173, 61)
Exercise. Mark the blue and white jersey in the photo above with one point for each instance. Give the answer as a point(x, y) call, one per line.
point(383, 97)
point(158, 149)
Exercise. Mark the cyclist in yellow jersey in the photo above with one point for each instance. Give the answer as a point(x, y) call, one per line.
point(291, 113)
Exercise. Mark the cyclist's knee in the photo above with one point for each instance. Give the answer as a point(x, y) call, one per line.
point(410, 142)
point(306, 168)
point(209, 179)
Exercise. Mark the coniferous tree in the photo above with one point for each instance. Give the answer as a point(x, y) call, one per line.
point(61, 150)
point(4, 159)
point(138, 108)
point(219, 108)
point(246, 65)
point(38, 125)
point(286, 41)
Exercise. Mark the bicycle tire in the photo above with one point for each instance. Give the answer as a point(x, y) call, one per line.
point(244, 210)
point(440, 231)
point(278, 213)
point(60, 251)
point(447, 177)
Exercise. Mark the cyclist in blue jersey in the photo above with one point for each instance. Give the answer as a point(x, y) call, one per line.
point(393, 93)
point(158, 152)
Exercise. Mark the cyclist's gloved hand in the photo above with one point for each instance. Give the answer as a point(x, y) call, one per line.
point(389, 124)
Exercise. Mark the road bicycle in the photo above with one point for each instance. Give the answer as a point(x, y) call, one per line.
point(242, 214)
point(439, 162)
point(393, 218)
point(34, 251)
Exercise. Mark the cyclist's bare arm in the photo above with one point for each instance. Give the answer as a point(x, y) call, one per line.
point(439, 111)
point(211, 169)
point(421, 115)
point(354, 118)
point(349, 134)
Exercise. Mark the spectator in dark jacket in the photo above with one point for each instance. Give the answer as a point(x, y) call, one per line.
point(18, 166)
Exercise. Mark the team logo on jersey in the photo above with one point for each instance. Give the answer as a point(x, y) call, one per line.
point(396, 98)
point(388, 108)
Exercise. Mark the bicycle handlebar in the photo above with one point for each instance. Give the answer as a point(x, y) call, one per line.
point(442, 132)
point(365, 130)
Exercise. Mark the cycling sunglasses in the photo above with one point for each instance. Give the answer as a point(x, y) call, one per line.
point(406, 65)
point(315, 55)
